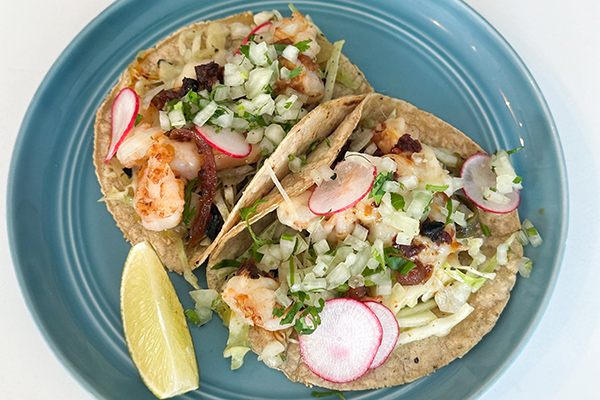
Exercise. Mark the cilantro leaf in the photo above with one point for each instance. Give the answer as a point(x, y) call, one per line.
point(245, 213)
point(377, 191)
point(188, 211)
point(330, 393)
point(291, 313)
point(301, 326)
point(245, 50)
point(394, 260)
point(435, 188)
point(449, 209)
point(397, 201)
point(192, 316)
point(485, 230)
point(278, 311)
point(303, 45)
point(509, 152)
point(227, 264)
point(314, 145)
point(294, 73)
point(138, 119)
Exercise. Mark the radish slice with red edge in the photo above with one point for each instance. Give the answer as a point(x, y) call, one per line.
point(123, 114)
point(229, 142)
point(389, 324)
point(344, 345)
point(477, 175)
point(353, 181)
point(254, 31)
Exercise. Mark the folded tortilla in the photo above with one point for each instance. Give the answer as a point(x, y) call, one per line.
point(143, 74)
point(419, 358)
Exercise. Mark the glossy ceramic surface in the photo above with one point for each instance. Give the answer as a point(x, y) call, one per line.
point(68, 253)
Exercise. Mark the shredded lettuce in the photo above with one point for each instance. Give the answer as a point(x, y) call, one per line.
point(203, 300)
point(437, 327)
point(332, 70)
point(238, 343)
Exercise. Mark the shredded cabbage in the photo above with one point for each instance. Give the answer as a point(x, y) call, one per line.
point(238, 343)
point(438, 327)
point(332, 69)
point(203, 300)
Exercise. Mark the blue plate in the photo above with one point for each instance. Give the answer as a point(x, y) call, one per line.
point(68, 253)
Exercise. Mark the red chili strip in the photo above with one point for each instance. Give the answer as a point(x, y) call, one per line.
point(208, 178)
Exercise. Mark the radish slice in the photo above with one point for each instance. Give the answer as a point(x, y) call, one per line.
point(477, 175)
point(229, 142)
point(255, 30)
point(123, 113)
point(390, 332)
point(342, 348)
point(353, 181)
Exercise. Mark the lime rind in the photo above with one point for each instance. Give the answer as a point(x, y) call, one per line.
point(155, 328)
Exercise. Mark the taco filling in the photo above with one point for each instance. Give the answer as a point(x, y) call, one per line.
point(208, 114)
point(388, 223)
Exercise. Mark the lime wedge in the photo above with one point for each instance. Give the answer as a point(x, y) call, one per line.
point(155, 328)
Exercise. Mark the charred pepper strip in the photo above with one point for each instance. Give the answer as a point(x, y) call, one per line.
point(208, 178)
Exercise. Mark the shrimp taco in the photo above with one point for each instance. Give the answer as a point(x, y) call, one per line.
point(191, 121)
point(380, 265)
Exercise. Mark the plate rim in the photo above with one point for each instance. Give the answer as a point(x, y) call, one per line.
point(27, 121)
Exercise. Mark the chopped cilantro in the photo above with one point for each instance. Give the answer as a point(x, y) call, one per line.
point(303, 45)
point(342, 288)
point(294, 73)
point(227, 264)
point(314, 144)
point(333, 177)
point(278, 311)
point(518, 180)
point(192, 316)
point(301, 326)
point(485, 230)
point(258, 242)
point(285, 236)
point(449, 208)
point(397, 201)
point(291, 313)
point(330, 393)
point(435, 188)
point(138, 119)
point(377, 191)
point(368, 271)
point(188, 211)
point(394, 260)
point(245, 50)
point(509, 152)
point(194, 98)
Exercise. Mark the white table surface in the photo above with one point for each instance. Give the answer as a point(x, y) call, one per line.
point(558, 40)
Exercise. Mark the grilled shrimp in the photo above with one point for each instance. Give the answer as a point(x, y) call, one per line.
point(297, 28)
point(308, 85)
point(253, 299)
point(159, 196)
point(133, 152)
